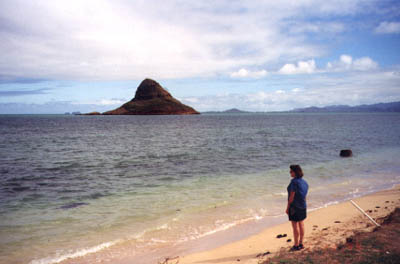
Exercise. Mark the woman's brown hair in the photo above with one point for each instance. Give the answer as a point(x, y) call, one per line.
point(297, 171)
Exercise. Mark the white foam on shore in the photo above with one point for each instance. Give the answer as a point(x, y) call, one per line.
point(355, 194)
point(220, 227)
point(323, 206)
point(89, 250)
point(78, 253)
point(280, 193)
point(59, 257)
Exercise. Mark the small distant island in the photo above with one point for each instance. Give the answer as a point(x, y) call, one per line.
point(151, 99)
point(229, 111)
point(380, 107)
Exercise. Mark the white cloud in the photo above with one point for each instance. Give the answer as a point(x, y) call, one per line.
point(347, 63)
point(111, 102)
point(352, 88)
point(300, 68)
point(191, 99)
point(243, 73)
point(52, 107)
point(388, 28)
point(108, 40)
point(102, 102)
point(296, 90)
point(346, 59)
point(317, 27)
point(364, 64)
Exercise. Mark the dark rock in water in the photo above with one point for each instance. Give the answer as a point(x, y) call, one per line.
point(20, 188)
point(71, 205)
point(346, 153)
point(152, 99)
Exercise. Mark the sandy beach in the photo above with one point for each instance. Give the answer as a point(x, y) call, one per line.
point(325, 227)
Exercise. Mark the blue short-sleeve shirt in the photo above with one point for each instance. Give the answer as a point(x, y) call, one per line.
point(300, 187)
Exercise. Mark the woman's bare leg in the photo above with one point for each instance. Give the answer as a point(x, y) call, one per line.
point(301, 227)
point(295, 233)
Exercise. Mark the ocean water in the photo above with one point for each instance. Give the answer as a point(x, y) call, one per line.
point(91, 189)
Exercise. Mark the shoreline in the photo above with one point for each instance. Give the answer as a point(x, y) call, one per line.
point(325, 227)
point(243, 241)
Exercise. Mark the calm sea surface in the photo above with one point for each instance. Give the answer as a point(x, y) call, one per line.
point(97, 187)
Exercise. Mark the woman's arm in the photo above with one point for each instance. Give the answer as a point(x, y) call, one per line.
point(291, 198)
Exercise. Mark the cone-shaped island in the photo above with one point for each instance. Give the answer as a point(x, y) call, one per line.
point(152, 99)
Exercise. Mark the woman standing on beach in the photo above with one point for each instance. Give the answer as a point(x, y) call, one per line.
point(297, 207)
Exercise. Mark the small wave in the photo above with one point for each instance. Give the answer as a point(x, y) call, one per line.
point(139, 237)
point(76, 254)
point(71, 205)
point(330, 203)
point(158, 241)
point(323, 206)
point(354, 191)
point(168, 178)
point(163, 226)
point(280, 193)
point(221, 227)
point(93, 196)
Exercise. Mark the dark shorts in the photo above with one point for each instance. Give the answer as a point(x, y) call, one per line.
point(297, 214)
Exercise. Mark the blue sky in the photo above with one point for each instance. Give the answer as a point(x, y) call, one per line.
point(60, 56)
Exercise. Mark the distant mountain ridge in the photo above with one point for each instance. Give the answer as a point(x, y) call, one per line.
point(229, 111)
point(234, 111)
point(379, 107)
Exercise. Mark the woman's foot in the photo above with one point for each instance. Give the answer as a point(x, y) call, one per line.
point(295, 248)
point(301, 246)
